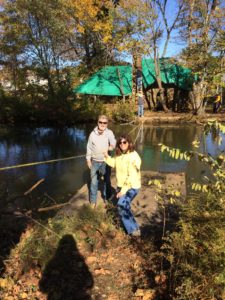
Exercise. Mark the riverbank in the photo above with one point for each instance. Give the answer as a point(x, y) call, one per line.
point(85, 252)
point(157, 118)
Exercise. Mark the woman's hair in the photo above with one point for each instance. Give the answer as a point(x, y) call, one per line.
point(130, 144)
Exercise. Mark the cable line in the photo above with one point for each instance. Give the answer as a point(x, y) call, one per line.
point(65, 158)
point(41, 162)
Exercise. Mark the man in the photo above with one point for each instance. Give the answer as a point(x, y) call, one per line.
point(140, 104)
point(100, 140)
point(217, 104)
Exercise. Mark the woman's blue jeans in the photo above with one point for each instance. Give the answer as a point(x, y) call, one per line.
point(99, 169)
point(124, 208)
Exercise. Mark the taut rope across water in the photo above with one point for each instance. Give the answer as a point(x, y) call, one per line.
point(62, 159)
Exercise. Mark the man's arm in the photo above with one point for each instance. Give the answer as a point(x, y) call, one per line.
point(112, 141)
point(89, 152)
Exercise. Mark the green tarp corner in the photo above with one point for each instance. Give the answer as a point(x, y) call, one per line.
point(117, 80)
point(170, 74)
point(109, 81)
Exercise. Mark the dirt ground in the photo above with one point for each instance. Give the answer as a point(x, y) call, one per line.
point(145, 204)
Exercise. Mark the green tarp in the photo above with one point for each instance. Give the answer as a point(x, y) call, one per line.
point(117, 80)
point(109, 81)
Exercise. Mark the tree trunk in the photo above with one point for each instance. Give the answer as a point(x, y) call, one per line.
point(137, 75)
point(198, 98)
point(121, 85)
point(159, 81)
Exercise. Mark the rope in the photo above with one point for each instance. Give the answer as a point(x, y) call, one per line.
point(41, 162)
point(140, 128)
point(59, 159)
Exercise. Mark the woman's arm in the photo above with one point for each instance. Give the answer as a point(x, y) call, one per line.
point(136, 162)
point(133, 172)
point(109, 160)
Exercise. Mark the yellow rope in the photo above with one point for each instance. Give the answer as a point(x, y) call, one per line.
point(40, 162)
point(59, 159)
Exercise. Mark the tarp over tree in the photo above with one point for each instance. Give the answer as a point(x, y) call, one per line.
point(117, 80)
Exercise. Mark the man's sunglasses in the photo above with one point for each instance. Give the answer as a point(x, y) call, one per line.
point(100, 122)
point(123, 142)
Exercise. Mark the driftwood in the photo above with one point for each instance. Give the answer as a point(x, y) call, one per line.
point(33, 186)
point(28, 212)
point(52, 207)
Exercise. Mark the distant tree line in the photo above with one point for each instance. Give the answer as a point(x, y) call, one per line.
point(63, 42)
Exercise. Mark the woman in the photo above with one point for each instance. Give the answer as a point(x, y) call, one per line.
point(127, 164)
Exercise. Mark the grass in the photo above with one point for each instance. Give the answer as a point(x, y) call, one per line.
point(85, 225)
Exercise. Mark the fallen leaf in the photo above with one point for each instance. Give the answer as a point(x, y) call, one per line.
point(149, 295)
point(91, 259)
point(159, 279)
point(23, 296)
point(101, 272)
point(8, 298)
point(139, 293)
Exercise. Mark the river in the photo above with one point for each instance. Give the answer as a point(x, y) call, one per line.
point(20, 145)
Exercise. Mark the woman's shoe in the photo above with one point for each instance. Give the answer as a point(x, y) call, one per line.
point(136, 233)
point(93, 205)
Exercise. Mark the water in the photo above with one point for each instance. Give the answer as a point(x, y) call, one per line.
point(62, 179)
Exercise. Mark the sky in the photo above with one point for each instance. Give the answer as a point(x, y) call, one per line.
point(175, 45)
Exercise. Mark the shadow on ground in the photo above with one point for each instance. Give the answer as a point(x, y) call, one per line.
point(66, 276)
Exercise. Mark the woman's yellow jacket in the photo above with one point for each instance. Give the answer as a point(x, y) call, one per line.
point(127, 167)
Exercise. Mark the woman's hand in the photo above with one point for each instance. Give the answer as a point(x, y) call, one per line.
point(134, 164)
point(118, 195)
point(105, 154)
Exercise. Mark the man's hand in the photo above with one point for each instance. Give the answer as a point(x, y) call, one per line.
point(111, 148)
point(89, 164)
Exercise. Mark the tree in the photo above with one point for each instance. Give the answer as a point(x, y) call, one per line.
point(200, 23)
point(90, 24)
point(47, 35)
point(142, 25)
point(33, 27)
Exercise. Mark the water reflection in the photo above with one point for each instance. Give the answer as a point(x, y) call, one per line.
point(24, 145)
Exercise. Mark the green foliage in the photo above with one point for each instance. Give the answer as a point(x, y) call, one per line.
point(165, 196)
point(124, 112)
point(196, 251)
point(89, 109)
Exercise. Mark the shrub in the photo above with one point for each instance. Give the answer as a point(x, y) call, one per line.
point(196, 252)
point(88, 109)
point(124, 112)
